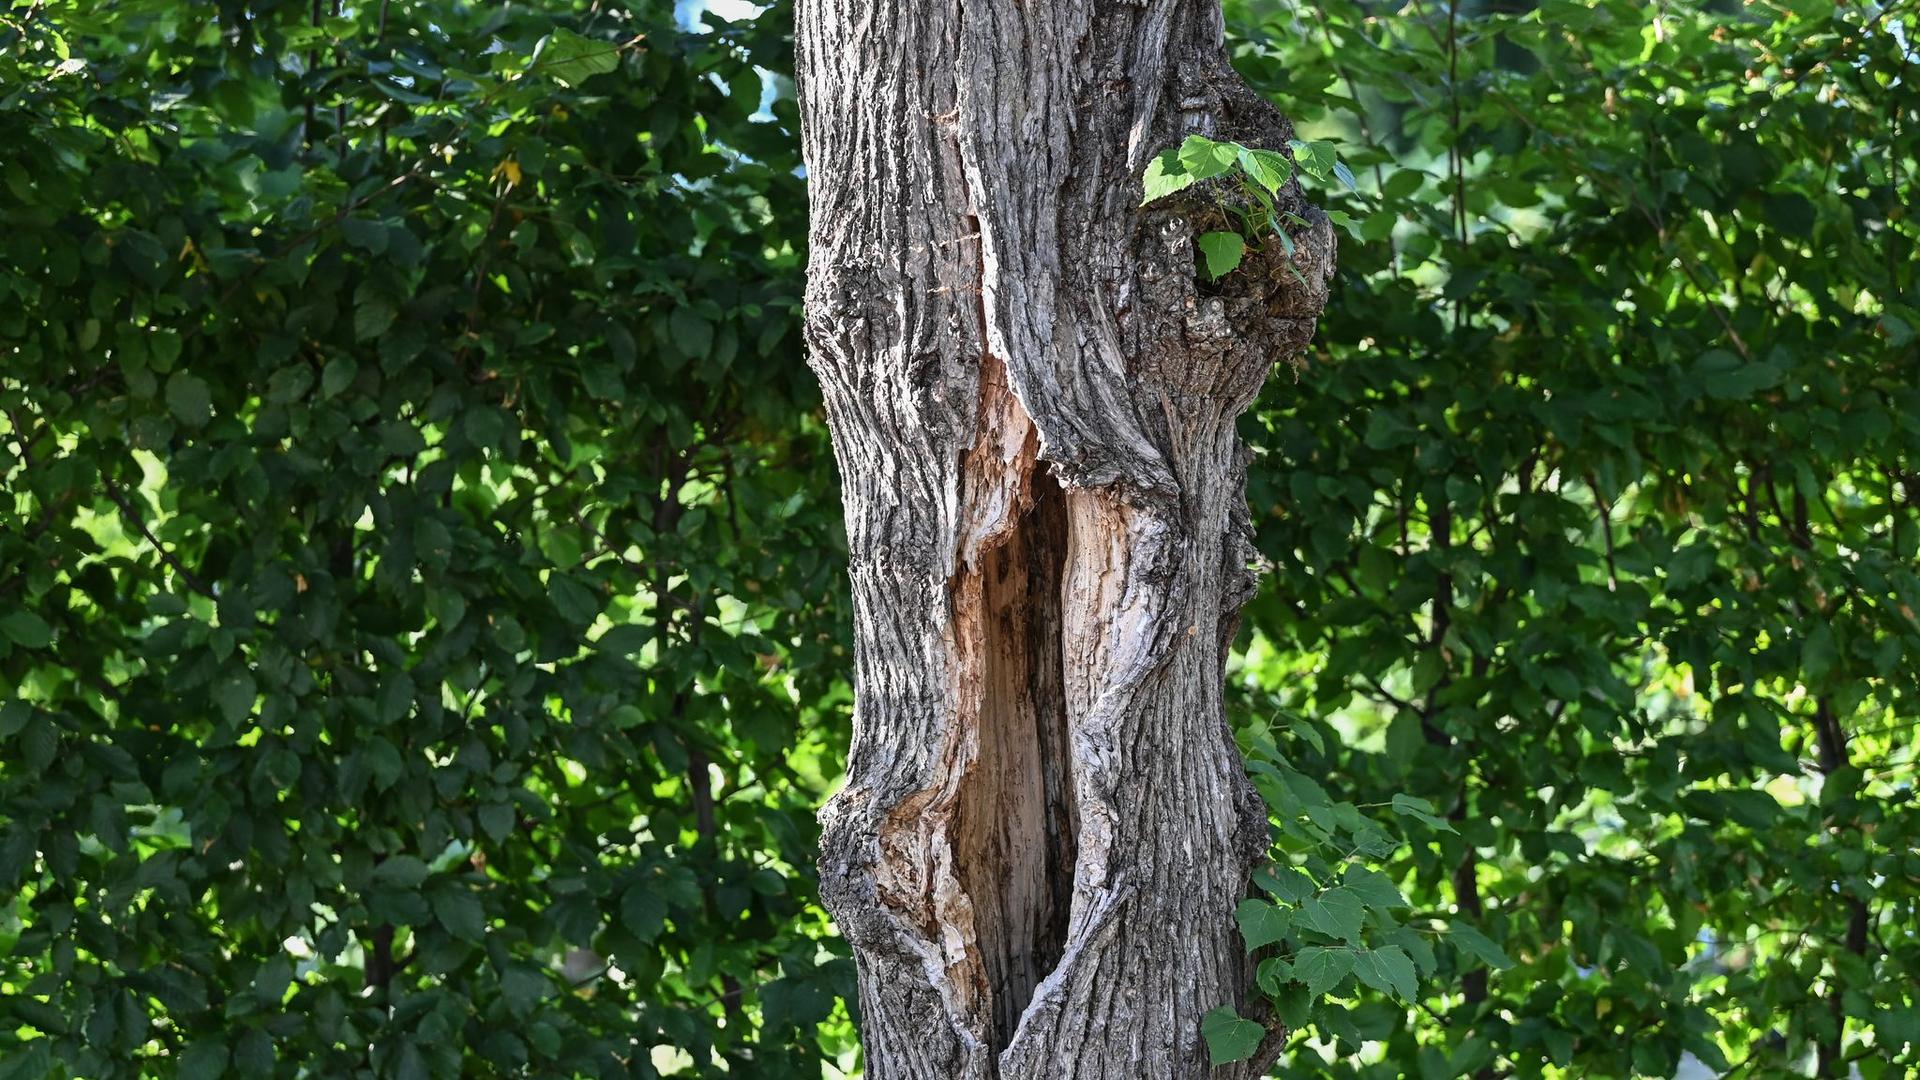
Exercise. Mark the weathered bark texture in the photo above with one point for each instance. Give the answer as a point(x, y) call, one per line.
point(1045, 827)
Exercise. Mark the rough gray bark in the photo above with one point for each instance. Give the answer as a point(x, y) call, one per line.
point(1045, 827)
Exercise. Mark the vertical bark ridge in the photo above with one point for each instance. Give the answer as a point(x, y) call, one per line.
point(893, 334)
point(1045, 827)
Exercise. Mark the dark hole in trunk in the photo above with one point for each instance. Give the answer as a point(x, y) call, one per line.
point(1016, 813)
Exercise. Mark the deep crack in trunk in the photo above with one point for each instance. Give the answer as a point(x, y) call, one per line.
point(1015, 830)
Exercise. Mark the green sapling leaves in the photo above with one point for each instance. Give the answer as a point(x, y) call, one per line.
point(1259, 175)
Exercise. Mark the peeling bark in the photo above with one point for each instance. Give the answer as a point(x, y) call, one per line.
point(1045, 827)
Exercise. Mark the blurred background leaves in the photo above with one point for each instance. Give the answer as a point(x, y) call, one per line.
point(420, 555)
point(1594, 523)
point(421, 625)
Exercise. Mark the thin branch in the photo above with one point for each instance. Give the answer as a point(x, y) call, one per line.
point(126, 509)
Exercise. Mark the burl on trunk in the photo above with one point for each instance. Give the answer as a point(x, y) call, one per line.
point(1045, 827)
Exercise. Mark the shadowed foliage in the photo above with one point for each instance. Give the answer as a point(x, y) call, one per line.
point(419, 633)
point(423, 640)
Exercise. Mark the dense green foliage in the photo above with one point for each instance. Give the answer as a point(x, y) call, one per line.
point(1595, 524)
point(421, 639)
point(418, 653)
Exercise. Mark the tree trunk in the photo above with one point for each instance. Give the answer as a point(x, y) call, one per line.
point(1045, 827)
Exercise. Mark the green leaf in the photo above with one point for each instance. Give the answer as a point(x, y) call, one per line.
point(1375, 889)
point(272, 980)
point(1316, 158)
point(25, 629)
point(1387, 969)
point(253, 1055)
point(523, 988)
point(642, 911)
point(1286, 883)
point(1346, 221)
point(459, 910)
point(1755, 809)
point(1417, 946)
point(1203, 157)
point(1337, 912)
point(485, 426)
point(1229, 1037)
point(372, 318)
point(384, 761)
point(337, 376)
point(1420, 810)
point(1559, 1045)
point(1164, 176)
point(1818, 651)
point(401, 438)
point(13, 714)
point(234, 693)
point(189, 399)
point(207, 1057)
point(163, 348)
point(692, 334)
point(1721, 374)
point(400, 872)
point(1402, 183)
point(1894, 1026)
point(1321, 969)
point(368, 234)
point(575, 602)
point(396, 698)
point(1222, 250)
point(410, 1063)
point(571, 59)
point(1708, 1051)
point(290, 383)
point(1305, 731)
point(31, 1061)
point(1474, 1052)
point(1266, 168)
point(37, 748)
point(1274, 974)
point(1262, 923)
point(496, 819)
point(1466, 936)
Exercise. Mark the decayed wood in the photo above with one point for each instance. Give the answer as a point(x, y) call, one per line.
point(1045, 827)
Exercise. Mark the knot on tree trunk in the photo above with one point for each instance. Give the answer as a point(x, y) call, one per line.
point(1219, 338)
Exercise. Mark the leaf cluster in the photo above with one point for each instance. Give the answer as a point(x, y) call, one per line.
point(420, 621)
point(1593, 526)
point(1257, 176)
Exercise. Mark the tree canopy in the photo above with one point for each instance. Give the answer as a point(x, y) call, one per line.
point(1593, 523)
point(423, 641)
